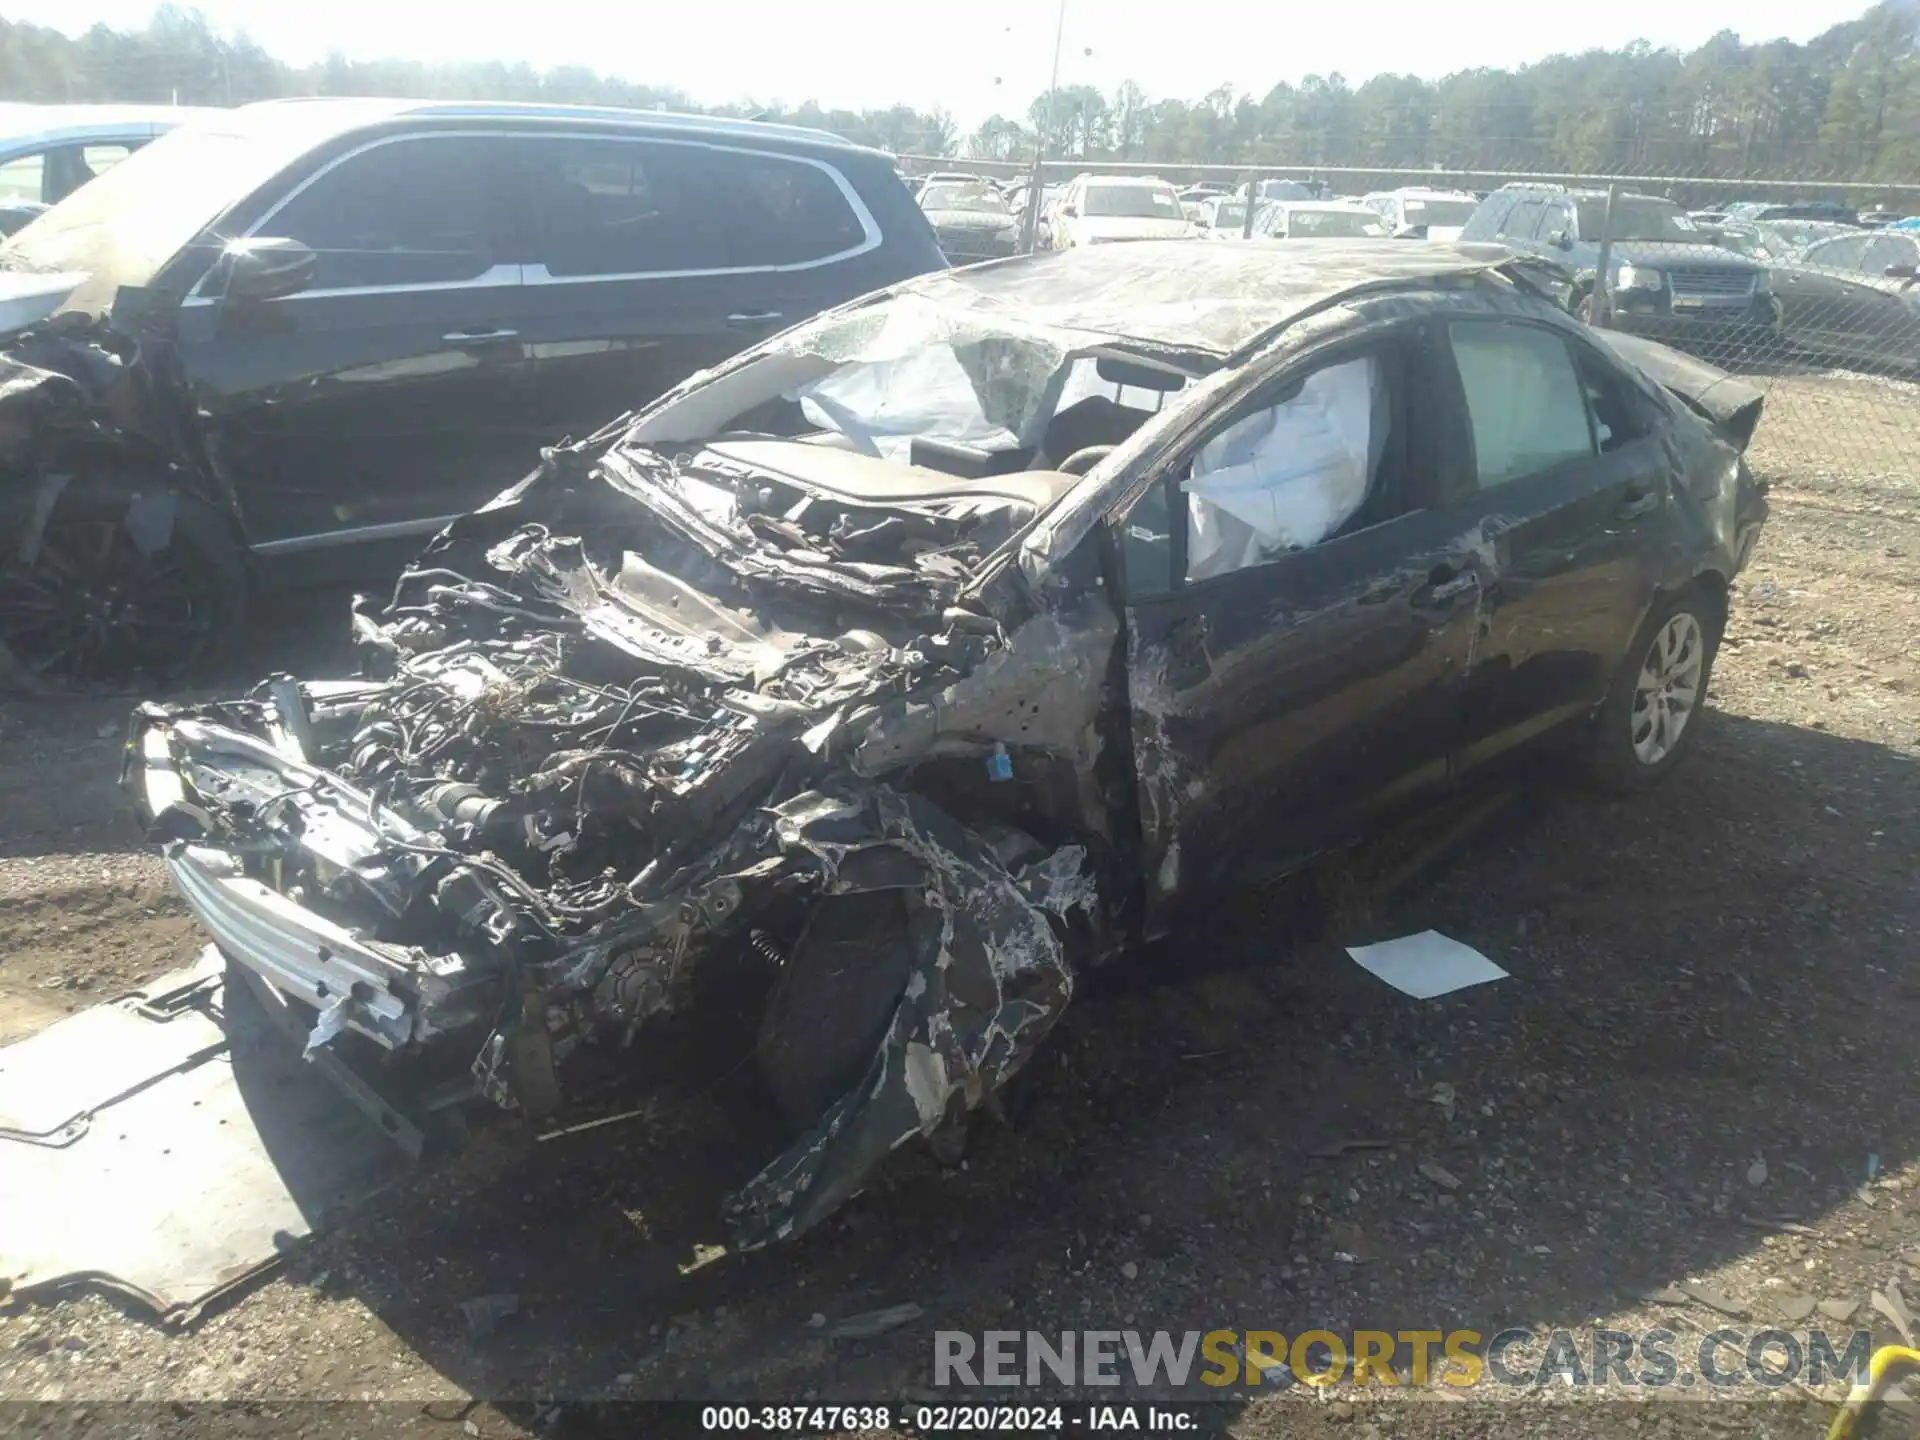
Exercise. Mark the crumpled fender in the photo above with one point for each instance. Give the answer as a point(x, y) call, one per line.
point(988, 979)
point(80, 383)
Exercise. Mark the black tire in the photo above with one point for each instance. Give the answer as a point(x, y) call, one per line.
point(832, 1003)
point(1625, 753)
point(88, 609)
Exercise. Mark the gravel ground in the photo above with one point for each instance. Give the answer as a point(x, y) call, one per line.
point(1663, 1119)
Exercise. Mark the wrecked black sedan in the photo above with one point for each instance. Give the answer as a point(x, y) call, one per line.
point(929, 652)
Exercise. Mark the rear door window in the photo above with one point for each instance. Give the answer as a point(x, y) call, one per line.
point(416, 211)
point(609, 207)
point(1526, 403)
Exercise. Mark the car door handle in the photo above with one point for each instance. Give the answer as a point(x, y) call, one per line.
point(1637, 503)
point(478, 337)
point(752, 319)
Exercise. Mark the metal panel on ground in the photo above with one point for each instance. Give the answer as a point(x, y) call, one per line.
point(150, 1163)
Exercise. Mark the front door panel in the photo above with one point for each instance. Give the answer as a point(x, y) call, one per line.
point(1275, 708)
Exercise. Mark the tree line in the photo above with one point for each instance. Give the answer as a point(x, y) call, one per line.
point(1845, 105)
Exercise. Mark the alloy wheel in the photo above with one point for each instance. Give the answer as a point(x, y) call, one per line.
point(90, 609)
point(1668, 690)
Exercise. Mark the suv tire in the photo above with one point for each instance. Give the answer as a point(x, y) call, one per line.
point(92, 603)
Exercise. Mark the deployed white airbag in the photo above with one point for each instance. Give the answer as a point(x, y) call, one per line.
point(1286, 477)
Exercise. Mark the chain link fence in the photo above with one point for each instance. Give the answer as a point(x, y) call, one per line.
point(1806, 287)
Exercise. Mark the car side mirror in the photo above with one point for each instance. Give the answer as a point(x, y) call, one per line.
point(1070, 210)
point(268, 269)
point(1902, 272)
point(1560, 240)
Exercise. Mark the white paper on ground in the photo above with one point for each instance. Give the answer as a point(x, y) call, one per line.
point(1426, 965)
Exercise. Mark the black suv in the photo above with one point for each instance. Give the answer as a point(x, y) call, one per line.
point(1668, 281)
point(287, 341)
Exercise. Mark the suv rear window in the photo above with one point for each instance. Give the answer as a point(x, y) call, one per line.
point(634, 207)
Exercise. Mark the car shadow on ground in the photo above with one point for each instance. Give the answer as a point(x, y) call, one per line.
point(1701, 978)
point(78, 738)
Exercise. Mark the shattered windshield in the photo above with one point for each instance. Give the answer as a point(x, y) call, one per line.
point(979, 199)
point(908, 368)
point(874, 378)
point(1133, 202)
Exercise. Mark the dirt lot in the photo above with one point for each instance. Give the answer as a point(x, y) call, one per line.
point(1709, 1028)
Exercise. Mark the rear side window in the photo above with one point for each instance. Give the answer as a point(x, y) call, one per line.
point(1526, 403)
point(409, 212)
point(634, 207)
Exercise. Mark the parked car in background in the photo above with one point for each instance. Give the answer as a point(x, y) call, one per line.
point(1854, 297)
point(1833, 210)
point(49, 151)
point(1192, 199)
point(1414, 214)
point(307, 333)
point(872, 729)
point(1314, 220)
point(970, 220)
point(1222, 217)
point(1099, 209)
point(1668, 280)
point(1771, 241)
point(1275, 188)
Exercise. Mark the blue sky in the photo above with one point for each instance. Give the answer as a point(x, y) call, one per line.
point(973, 57)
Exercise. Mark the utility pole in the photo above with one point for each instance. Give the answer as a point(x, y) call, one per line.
point(1030, 221)
point(1053, 81)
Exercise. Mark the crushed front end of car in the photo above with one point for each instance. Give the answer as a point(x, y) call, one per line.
point(647, 714)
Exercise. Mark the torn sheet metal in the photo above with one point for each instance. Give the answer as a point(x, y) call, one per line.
point(1426, 965)
point(602, 720)
point(988, 979)
point(201, 1167)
